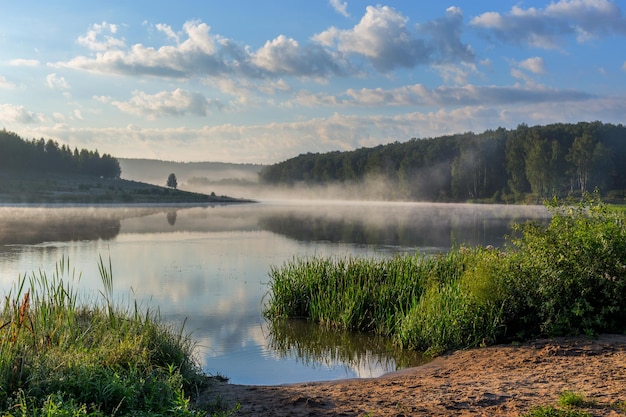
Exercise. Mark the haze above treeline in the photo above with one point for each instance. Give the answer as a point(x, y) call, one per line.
point(525, 164)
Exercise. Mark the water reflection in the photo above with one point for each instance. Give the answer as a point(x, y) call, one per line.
point(208, 266)
point(412, 225)
point(312, 344)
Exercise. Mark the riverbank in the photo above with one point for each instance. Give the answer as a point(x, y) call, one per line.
point(502, 380)
point(64, 189)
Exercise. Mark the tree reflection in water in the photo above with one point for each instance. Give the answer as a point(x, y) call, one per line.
point(310, 343)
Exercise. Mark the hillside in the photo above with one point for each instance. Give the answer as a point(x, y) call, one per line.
point(64, 189)
point(156, 171)
point(526, 164)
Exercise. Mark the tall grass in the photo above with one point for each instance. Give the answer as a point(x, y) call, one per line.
point(568, 277)
point(59, 356)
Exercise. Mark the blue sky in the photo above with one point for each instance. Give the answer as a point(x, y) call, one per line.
point(263, 81)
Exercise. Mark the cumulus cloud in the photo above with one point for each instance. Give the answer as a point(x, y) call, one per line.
point(285, 56)
point(384, 38)
point(340, 7)
point(101, 37)
point(547, 28)
point(536, 65)
point(197, 52)
point(56, 82)
point(165, 103)
point(10, 113)
point(445, 35)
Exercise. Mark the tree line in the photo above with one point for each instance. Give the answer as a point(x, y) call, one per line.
point(41, 156)
point(522, 164)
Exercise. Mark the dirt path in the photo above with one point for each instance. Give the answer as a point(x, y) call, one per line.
point(502, 380)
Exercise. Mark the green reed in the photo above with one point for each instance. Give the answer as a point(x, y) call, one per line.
point(565, 278)
point(63, 356)
point(423, 302)
point(350, 293)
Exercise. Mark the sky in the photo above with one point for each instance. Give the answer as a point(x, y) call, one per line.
point(263, 81)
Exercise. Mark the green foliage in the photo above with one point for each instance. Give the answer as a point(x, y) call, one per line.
point(41, 156)
point(60, 358)
point(569, 278)
point(569, 406)
point(574, 399)
point(523, 164)
point(172, 182)
point(562, 279)
point(550, 411)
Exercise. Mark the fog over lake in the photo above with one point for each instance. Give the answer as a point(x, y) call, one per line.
point(208, 267)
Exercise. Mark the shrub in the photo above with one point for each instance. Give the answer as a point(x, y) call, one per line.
point(569, 277)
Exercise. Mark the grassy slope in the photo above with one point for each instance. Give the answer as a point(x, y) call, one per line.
point(55, 188)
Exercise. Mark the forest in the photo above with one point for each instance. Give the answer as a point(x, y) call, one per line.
point(525, 164)
point(21, 156)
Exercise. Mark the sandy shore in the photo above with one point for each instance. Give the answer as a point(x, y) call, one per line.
point(502, 380)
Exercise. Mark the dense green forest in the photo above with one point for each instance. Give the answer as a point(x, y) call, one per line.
point(523, 164)
point(18, 155)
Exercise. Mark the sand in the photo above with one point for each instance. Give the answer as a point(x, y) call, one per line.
point(503, 380)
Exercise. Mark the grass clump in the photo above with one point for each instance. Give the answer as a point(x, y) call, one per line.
point(566, 278)
point(569, 405)
point(62, 358)
point(550, 411)
point(574, 399)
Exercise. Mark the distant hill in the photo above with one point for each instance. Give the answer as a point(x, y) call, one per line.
point(156, 171)
point(526, 164)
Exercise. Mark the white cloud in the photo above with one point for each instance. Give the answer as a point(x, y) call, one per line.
point(536, 65)
point(422, 96)
point(55, 82)
point(10, 113)
point(273, 142)
point(24, 63)
point(100, 37)
point(5, 84)
point(384, 38)
point(167, 29)
point(340, 7)
point(285, 56)
point(165, 103)
point(199, 53)
point(546, 28)
point(624, 66)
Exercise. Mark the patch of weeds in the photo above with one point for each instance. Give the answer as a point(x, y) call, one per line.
point(550, 411)
point(620, 406)
point(569, 405)
point(574, 399)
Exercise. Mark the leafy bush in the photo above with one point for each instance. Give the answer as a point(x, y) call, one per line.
point(569, 277)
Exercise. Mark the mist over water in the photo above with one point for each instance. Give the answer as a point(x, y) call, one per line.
point(208, 266)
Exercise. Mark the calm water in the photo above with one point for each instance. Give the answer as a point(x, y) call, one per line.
point(208, 267)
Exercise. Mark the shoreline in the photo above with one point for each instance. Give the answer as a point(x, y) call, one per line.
point(500, 380)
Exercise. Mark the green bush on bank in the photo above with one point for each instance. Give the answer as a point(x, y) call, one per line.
point(62, 358)
point(566, 278)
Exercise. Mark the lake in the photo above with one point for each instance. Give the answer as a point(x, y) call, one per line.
point(207, 268)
